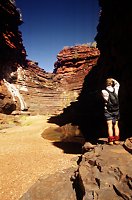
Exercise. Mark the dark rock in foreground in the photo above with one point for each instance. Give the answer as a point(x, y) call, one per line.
point(55, 187)
point(105, 173)
point(98, 177)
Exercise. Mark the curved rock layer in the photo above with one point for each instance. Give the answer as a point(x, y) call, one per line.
point(50, 93)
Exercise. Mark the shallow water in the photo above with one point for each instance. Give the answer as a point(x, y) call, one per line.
point(65, 133)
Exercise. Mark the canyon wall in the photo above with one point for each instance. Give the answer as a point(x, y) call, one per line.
point(73, 94)
point(50, 93)
point(24, 85)
point(12, 52)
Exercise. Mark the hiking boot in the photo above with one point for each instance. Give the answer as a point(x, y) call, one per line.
point(116, 139)
point(110, 143)
point(116, 142)
point(111, 140)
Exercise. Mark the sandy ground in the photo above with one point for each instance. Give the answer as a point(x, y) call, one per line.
point(25, 156)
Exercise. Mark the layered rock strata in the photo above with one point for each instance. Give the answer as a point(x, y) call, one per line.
point(11, 48)
point(12, 53)
point(75, 62)
point(50, 93)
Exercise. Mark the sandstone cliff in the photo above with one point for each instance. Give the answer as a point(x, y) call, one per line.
point(49, 93)
point(12, 51)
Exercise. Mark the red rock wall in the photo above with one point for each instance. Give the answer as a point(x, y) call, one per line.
point(12, 51)
point(74, 63)
point(50, 93)
point(11, 47)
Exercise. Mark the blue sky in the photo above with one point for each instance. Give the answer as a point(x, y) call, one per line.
point(49, 25)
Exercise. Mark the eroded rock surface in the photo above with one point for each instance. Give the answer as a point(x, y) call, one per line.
point(55, 187)
point(12, 52)
point(98, 177)
point(105, 173)
point(49, 93)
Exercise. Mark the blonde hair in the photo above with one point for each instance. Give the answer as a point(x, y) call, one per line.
point(109, 82)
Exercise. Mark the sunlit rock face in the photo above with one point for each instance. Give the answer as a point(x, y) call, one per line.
point(74, 63)
point(12, 52)
point(50, 93)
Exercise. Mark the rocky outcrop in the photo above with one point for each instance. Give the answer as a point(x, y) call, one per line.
point(98, 177)
point(39, 90)
point(52, 187)
point(104, 177)
point(71, 59)
point(50, 93)
point(74, 63)
point(128, 144)
point(12, 52)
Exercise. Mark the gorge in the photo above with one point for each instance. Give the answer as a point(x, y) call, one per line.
point(71, 96)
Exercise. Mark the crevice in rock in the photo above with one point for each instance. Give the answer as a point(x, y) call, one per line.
point(124, 196)
point(98, 182)
point(78, 186)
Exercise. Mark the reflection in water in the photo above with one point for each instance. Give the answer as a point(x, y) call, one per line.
point(66, 137)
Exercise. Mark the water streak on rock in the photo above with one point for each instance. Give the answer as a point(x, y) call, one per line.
point(15, 93)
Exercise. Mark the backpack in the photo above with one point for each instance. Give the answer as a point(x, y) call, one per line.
point(113, 102)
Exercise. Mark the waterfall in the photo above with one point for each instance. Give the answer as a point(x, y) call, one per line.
point(15, 93)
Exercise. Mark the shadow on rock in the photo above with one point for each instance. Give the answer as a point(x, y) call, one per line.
point(87, 112)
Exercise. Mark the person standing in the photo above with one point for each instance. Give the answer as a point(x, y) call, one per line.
point(111, 109)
